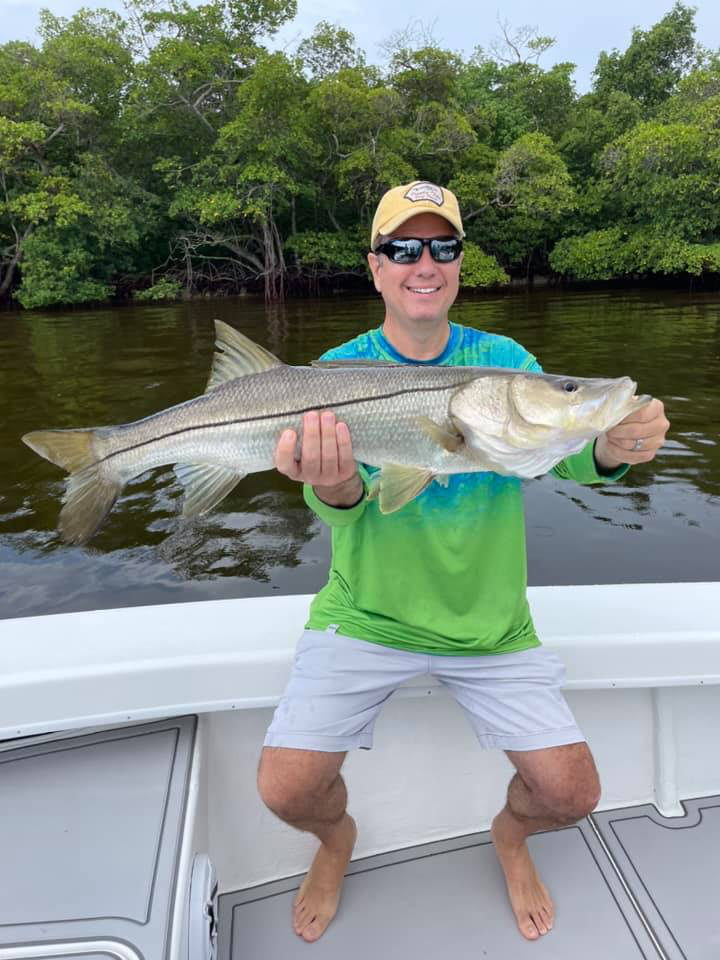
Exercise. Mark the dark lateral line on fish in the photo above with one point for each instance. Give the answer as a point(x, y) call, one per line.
point(283, 413)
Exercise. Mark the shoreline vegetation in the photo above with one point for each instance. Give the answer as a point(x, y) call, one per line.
point(170, 154)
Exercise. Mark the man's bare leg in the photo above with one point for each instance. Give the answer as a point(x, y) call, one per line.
point(554, 787)
point(304, 788)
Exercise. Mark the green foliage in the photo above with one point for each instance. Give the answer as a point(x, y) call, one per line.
point(604, 254)
point(505, 101)
point(57, 270)
point(479, 269)
point(88, 227)
point(343, 252)
point(532, 196)
point(329, 50)
point(171, 142)
point(590, 128)
point(651, 67)
point(531, 178)
point(666, 175)
point(427, 75)
point(16, 139)
point(165, 289)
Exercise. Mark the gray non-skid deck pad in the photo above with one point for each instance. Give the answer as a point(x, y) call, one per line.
point(448, 899)
point(89, 828)
point(672, 866)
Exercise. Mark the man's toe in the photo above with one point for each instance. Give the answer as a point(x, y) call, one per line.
point(313, 931)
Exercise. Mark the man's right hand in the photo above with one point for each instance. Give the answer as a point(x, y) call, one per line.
point(326, 459)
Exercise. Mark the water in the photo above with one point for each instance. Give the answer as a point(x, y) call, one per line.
point(661, 523)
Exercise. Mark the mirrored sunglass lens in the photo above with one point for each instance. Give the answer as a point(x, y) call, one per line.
point(443, 250)
point(405, 251)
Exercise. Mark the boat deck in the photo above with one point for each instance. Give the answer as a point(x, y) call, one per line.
point(627, 884)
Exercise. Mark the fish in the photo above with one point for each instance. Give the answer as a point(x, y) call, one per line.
point(415, 424)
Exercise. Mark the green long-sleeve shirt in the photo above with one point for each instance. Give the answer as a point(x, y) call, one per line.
point(447, 574)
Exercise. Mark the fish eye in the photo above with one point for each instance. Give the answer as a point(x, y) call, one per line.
point(569, 386)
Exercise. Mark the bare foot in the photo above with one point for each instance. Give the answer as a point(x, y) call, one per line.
point(529, 898)
point(317, 899)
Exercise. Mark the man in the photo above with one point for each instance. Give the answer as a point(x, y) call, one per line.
point(418, 584)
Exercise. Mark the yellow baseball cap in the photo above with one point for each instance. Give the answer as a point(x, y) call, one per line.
point(401, 203)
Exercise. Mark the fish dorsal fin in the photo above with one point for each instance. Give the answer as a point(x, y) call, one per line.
point(237, 356)
point(399, 485)
point(205, 485)
point(356, 363)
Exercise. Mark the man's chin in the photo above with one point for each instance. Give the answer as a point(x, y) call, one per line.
point(428, 316)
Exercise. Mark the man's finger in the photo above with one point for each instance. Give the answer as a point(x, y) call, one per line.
point(328, 447)
point(649, 412)
point(649, 443)
point(346, 460)
point(311, 458)
point(285, 460)
point(625, 451)
point(634, 431)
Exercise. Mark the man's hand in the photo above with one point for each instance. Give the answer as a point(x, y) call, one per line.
point(636, 439)
point(326, 459)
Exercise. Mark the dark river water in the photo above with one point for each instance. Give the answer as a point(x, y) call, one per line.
point(105, 366)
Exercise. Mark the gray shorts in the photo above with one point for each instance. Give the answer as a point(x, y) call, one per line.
point(338, 685)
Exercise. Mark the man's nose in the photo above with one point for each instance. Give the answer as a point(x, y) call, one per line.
point(425, 264)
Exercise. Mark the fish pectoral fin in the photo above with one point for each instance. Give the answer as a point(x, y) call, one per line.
point(399, 485)
point(445, 435)
point(205, 485)
point(237, 356)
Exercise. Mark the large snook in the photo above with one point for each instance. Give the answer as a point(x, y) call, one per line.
point(417, 423)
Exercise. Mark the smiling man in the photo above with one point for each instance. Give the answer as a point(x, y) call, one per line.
point(438, 586)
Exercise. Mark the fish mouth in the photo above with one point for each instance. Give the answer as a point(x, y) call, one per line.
point(629, 401)
point(640, 401)
point(635, 400)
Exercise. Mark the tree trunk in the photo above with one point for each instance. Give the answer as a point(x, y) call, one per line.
point(333, 221)
point(7, 280)
point(274, 261)
point(529, 261)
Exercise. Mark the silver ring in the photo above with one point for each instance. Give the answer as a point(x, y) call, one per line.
point(638, 445)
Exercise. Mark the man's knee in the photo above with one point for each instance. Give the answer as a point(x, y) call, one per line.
point(292, 783)
point(570, 799)
point(563, 781)
point(575, 801)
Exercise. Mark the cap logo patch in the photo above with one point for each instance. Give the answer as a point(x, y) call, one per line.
point(425, 191)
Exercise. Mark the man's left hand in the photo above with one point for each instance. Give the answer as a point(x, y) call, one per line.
point(636, 439)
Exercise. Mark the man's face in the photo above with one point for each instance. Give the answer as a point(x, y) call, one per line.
point(421, 292)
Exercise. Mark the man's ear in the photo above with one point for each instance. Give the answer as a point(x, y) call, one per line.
point(375, 265)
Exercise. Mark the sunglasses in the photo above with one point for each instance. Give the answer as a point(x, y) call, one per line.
point(410, 249)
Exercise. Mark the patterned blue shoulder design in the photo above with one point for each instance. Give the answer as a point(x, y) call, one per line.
point(481, 349)
point(361, 347)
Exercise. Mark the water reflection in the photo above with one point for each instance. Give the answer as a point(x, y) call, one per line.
point(661, 522)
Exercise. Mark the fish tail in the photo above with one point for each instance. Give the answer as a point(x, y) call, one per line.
point(90, 492)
